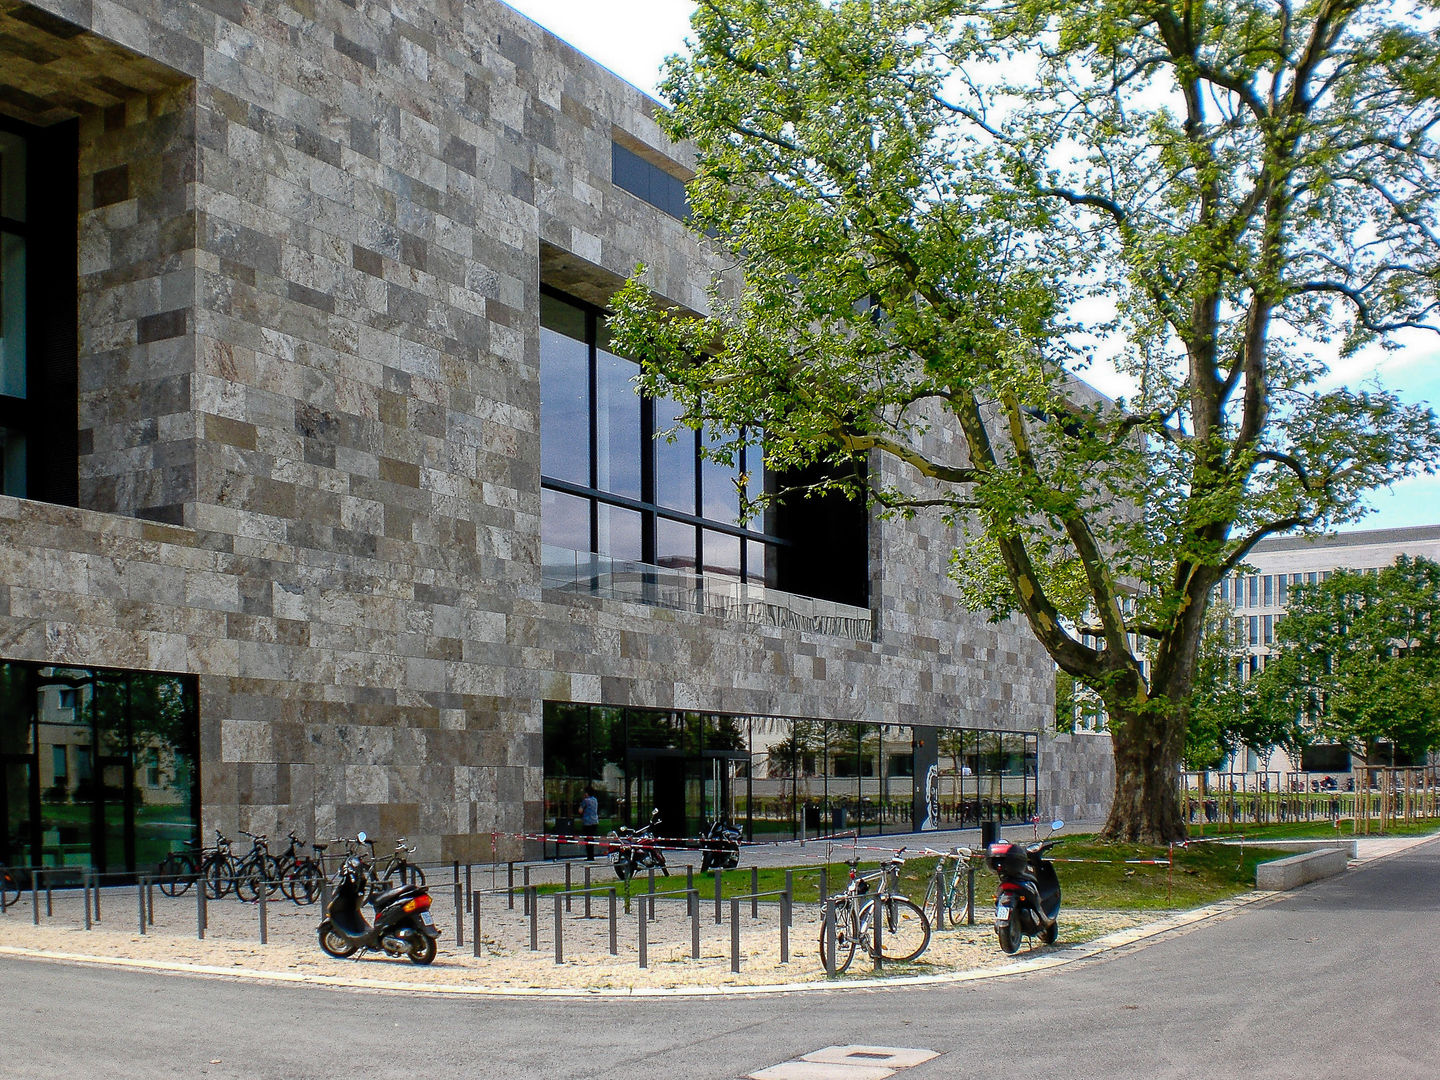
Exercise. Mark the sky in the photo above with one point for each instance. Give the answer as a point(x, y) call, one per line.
point(632, 39)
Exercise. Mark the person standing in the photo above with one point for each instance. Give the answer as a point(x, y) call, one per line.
point(589, 821)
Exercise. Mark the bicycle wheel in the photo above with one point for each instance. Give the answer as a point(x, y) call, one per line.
point(403, 874)
point(219, 875)
point(844, 942)
point(957, 907)
point(248, 882)
point(905, 933)
point(175, 873)
point(305, 885)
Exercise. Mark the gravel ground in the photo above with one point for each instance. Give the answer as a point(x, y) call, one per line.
point(505, 960)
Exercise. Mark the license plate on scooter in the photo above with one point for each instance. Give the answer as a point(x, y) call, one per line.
point(1002, 914)
point(426, 919)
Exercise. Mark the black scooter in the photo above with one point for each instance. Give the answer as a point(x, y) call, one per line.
point(403, 925)
point(1028, 901)
point(720, 846)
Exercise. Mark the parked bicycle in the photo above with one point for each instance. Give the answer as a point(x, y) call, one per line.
point(215, 866)
point(302, 877)
point(949, 891)
point(257, 870)
point(904, 927)
point(394, 869)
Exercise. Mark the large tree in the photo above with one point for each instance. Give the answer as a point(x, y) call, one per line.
point(942, 209)
point(1358, 661)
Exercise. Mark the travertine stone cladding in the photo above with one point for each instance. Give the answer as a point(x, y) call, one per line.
point(311, 240)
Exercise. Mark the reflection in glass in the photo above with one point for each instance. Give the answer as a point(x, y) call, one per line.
point(617, 426)
point(720, 498)
point(619, 535)
point(564, 397)
point(12, 315)
point(722, 554)
point(564, 520)
point(674, 461)
point(675, 545)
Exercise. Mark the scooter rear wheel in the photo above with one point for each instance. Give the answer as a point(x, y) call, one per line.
point(1010, 933)
point(423, 951)
point(336, 943)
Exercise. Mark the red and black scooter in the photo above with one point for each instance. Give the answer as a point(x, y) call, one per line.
point(1028, 901)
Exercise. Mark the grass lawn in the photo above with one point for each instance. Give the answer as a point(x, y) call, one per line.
point(1102, 876)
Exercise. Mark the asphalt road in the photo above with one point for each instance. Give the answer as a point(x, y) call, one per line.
point(1340, 978)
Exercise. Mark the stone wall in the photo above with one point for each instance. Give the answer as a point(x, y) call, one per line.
point(312, 243)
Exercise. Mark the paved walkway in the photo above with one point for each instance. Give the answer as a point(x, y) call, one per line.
point(234, 956)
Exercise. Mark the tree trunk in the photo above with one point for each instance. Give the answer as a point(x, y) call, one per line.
point(1148, 754)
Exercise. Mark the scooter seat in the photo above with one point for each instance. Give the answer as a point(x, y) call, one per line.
point(389, 896)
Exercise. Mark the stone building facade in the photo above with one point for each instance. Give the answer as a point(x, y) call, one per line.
point(303, 385)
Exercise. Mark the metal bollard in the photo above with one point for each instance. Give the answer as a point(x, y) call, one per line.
point(785, 914)
point(511, 889)
point(532, 906)
point(459, 911)
point(876, 918)
point(325, 895)
point(567, 887)
point(830, 942)
point(690, 881)
point(50, 897)
point(643, 930)
point(614, 933)
point(34, 899)
point(560, 929)
point(140, 901)
point(587, 892)
point(790, 896)
point(149, 900)
point(475, 921)
point(85, 894)
point(469, 887)
point(264, 914)
point(970, 894)
point(735, 934)
point(824, 883)
point(95, 892)
point(718, 919)
point(940, 898)
point(527, 888)
point(199, 910)
point(651, 891)
point(754, 889)
point(692, 900)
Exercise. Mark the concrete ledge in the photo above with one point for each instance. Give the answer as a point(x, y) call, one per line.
point(1296, 870)
point(1350, 847)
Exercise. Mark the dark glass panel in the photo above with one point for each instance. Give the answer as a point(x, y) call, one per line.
point(617, 426)
point(674, 461)
point(564, 520)
point(564, 403)
point(13, 350)
point(675, 545)
point(721, 554)
point(619, 535)
point(719, 496)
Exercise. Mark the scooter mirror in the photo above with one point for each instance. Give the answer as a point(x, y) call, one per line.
point(655, 814)
point(362, 838)
point(1057, 825)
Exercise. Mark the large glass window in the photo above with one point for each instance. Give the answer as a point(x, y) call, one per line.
point(611, 486)
point(132, 738)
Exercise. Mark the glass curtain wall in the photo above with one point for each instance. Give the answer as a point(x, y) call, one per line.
point(97, 768)
point(611, 487)
point(775, 777)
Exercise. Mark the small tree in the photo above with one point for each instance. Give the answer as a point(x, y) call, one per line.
point(1359, 660)
point(942, 206)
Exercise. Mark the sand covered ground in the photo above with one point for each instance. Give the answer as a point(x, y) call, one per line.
point(505, 960)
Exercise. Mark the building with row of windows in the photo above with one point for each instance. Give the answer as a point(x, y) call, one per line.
point(324, 492)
